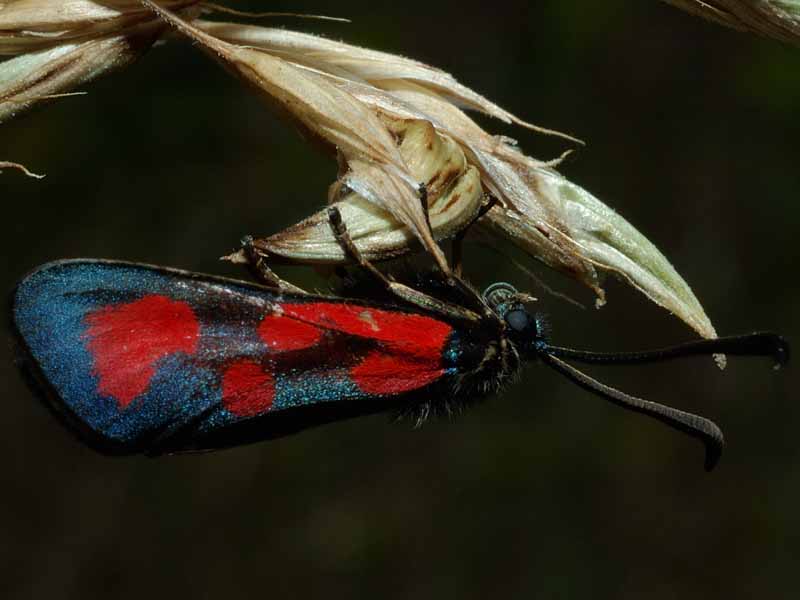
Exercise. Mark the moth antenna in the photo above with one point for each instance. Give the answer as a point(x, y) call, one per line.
point(694, 425)
point(754, 344)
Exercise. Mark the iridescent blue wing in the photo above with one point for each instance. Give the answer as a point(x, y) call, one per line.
point(144, 359)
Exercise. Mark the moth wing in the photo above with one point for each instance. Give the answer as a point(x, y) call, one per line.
point(143, 359)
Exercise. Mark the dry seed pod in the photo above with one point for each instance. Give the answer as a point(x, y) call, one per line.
point(453, 194)
point(33, 25)
point(779, 19)
point(553, 220)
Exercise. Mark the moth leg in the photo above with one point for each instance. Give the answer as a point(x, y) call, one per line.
point(349, 247)
point(423, 199)
point(404, 292)
point(257, 265)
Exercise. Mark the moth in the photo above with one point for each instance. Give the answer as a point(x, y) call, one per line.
point(143, 359)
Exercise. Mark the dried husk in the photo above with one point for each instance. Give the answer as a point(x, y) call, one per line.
point(550, 218)
point(605, 239)
point(779, 19)
point(33, 25)
point(454, 198)
point(29, 79)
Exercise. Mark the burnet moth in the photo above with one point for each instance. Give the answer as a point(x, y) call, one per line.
point(142, 359)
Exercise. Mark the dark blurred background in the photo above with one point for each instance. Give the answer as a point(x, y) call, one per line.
point(542, 491)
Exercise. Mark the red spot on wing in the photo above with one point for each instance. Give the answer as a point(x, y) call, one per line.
point(247, 390)
point(381, 373)
point(409, 354)
point(417, 335)
point(127, 340)
point(284, 334)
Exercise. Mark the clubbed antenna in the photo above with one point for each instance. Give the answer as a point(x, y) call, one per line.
point(696, 426)
point(756, 344)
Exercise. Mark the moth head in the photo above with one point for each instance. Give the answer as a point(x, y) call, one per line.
point(525, 328)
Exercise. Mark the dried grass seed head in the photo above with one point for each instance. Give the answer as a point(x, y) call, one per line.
point(550, 218)
point(357, 100)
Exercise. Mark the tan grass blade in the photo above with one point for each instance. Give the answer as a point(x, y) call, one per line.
point(19, 167)
point(779, 19)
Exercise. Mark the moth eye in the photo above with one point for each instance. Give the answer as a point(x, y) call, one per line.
point(518, 320)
